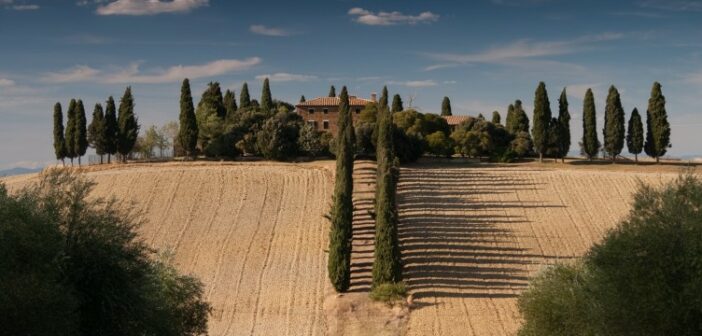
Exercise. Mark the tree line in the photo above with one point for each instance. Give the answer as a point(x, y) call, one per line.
point(112, 131)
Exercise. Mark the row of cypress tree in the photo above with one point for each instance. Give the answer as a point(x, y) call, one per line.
point(110, 131)
point(654, 143)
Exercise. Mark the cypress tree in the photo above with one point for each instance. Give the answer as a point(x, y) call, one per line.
point(496, 119)
point(81, 131)
point(510, 120)
point(542, 120)
point(111, 127)
point(339, 265)
point(127, 126)
point(387, 266)
point(244, 98)
point(397, 105)
point(229, 103)
point(212, 97)
point(384, 98)
point(302, 99)
point(96, 132)
point(188, 131)
point(446, 107)
point(563, 125)
point(70, 138)
point(657, 126)
point(481, 116)
point(59, 139)
point(266, 98)
point(614, 131)
point(635, 135)
point(332, 91)
point(590, 144)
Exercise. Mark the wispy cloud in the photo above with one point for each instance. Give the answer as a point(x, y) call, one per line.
point(286, 77)
point(415, 83)
point(269, 31)
point(673, 5)
point(13, 5)
point(693, 78)
point(521, 49)
point(640, 14)
point(149, 7)
point(366, 17)
point(134, 74)
point(4, 82)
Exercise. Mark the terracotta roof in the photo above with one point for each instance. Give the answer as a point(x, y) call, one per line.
point(455, 120)
point(334, 101)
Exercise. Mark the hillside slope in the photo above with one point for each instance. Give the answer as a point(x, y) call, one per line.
point(472, 237)
point(254, 233)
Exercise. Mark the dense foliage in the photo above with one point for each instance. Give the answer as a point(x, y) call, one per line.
point(657, 125)
point(71, 264)
point(614, 131)
point(644, 278)
point(635, 134)
point(590, 145)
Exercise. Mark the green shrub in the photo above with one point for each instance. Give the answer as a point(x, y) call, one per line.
point(644, 278)
point(389, 292)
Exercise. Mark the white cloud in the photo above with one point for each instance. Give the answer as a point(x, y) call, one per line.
point(286, 77)
point(367, 17)
point(78, 73)
point(693, 78)
point(133, 73)
point(673, 5)
point(577, 91)
point(415, 83)
point(4, 82)
point(11, 4)
point(25, 7)
point(269, 31)
point(520, 49)
point(149, 7)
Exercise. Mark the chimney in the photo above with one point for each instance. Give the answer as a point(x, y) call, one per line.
point(374, 97)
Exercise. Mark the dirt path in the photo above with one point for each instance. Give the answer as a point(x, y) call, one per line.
point(472, 237)
point(364, 176)
point(253, 233)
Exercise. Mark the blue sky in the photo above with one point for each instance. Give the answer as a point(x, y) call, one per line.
point(483, 54)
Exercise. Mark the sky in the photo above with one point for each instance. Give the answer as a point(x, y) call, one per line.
point(482, 54)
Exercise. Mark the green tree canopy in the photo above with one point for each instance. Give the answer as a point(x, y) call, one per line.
point(59, 139)
point(81, 125)
point(496, 119)
point(229, 104)
point(96, 132)
point(111, 128)
point(657, 125)
point(71, 132)
point(590, 144)
point(614, 131)
point(446, 107)
point(332, 91)
point(564, 125)
point(542, 120)
point(397, 105)
point(128, 128)
point(266, 98)
point(188, 132)
point(244, 97)
point(635, 134)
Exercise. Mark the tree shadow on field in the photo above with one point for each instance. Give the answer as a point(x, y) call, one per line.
point(456, 246)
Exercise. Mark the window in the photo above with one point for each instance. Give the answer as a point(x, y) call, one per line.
point(325, 124)
point(310, 111)
point(313, 123)
point(325, 111)
point(358, 111)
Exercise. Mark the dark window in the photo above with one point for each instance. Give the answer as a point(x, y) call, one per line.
point(310, 111)
point(325, 124)
point(325, 111)
point(358, 111)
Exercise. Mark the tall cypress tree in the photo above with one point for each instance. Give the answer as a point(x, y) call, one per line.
point(387, 266)
point(657, 125)
point(496, 119)
point(614, 131)
point(446, 107)
point(339, 265)
point(111, 128)
point(302, 99)
point(244, 97)
point(59, 139)
point(187, 133)
point(384, 98)
point(127, 126)
point(212, 97)
point(635, 135)
point(266, 98)
point(542, 120)
point(590, 143)
point(564, 126)
point(96, 132)
point(81, 131)
point(332, 91)
point(510, 124)
point(229, 103)
point(397, 105)
point(71, 136)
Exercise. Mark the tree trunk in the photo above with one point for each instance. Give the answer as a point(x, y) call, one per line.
point(614, 159)
point(541, 157)
point(636, 158)
point(562, 159)
point(657, 159)
point(71, 162)
point(100, 158)
point(63, 161)
point(79, 161)
point(109, 158)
